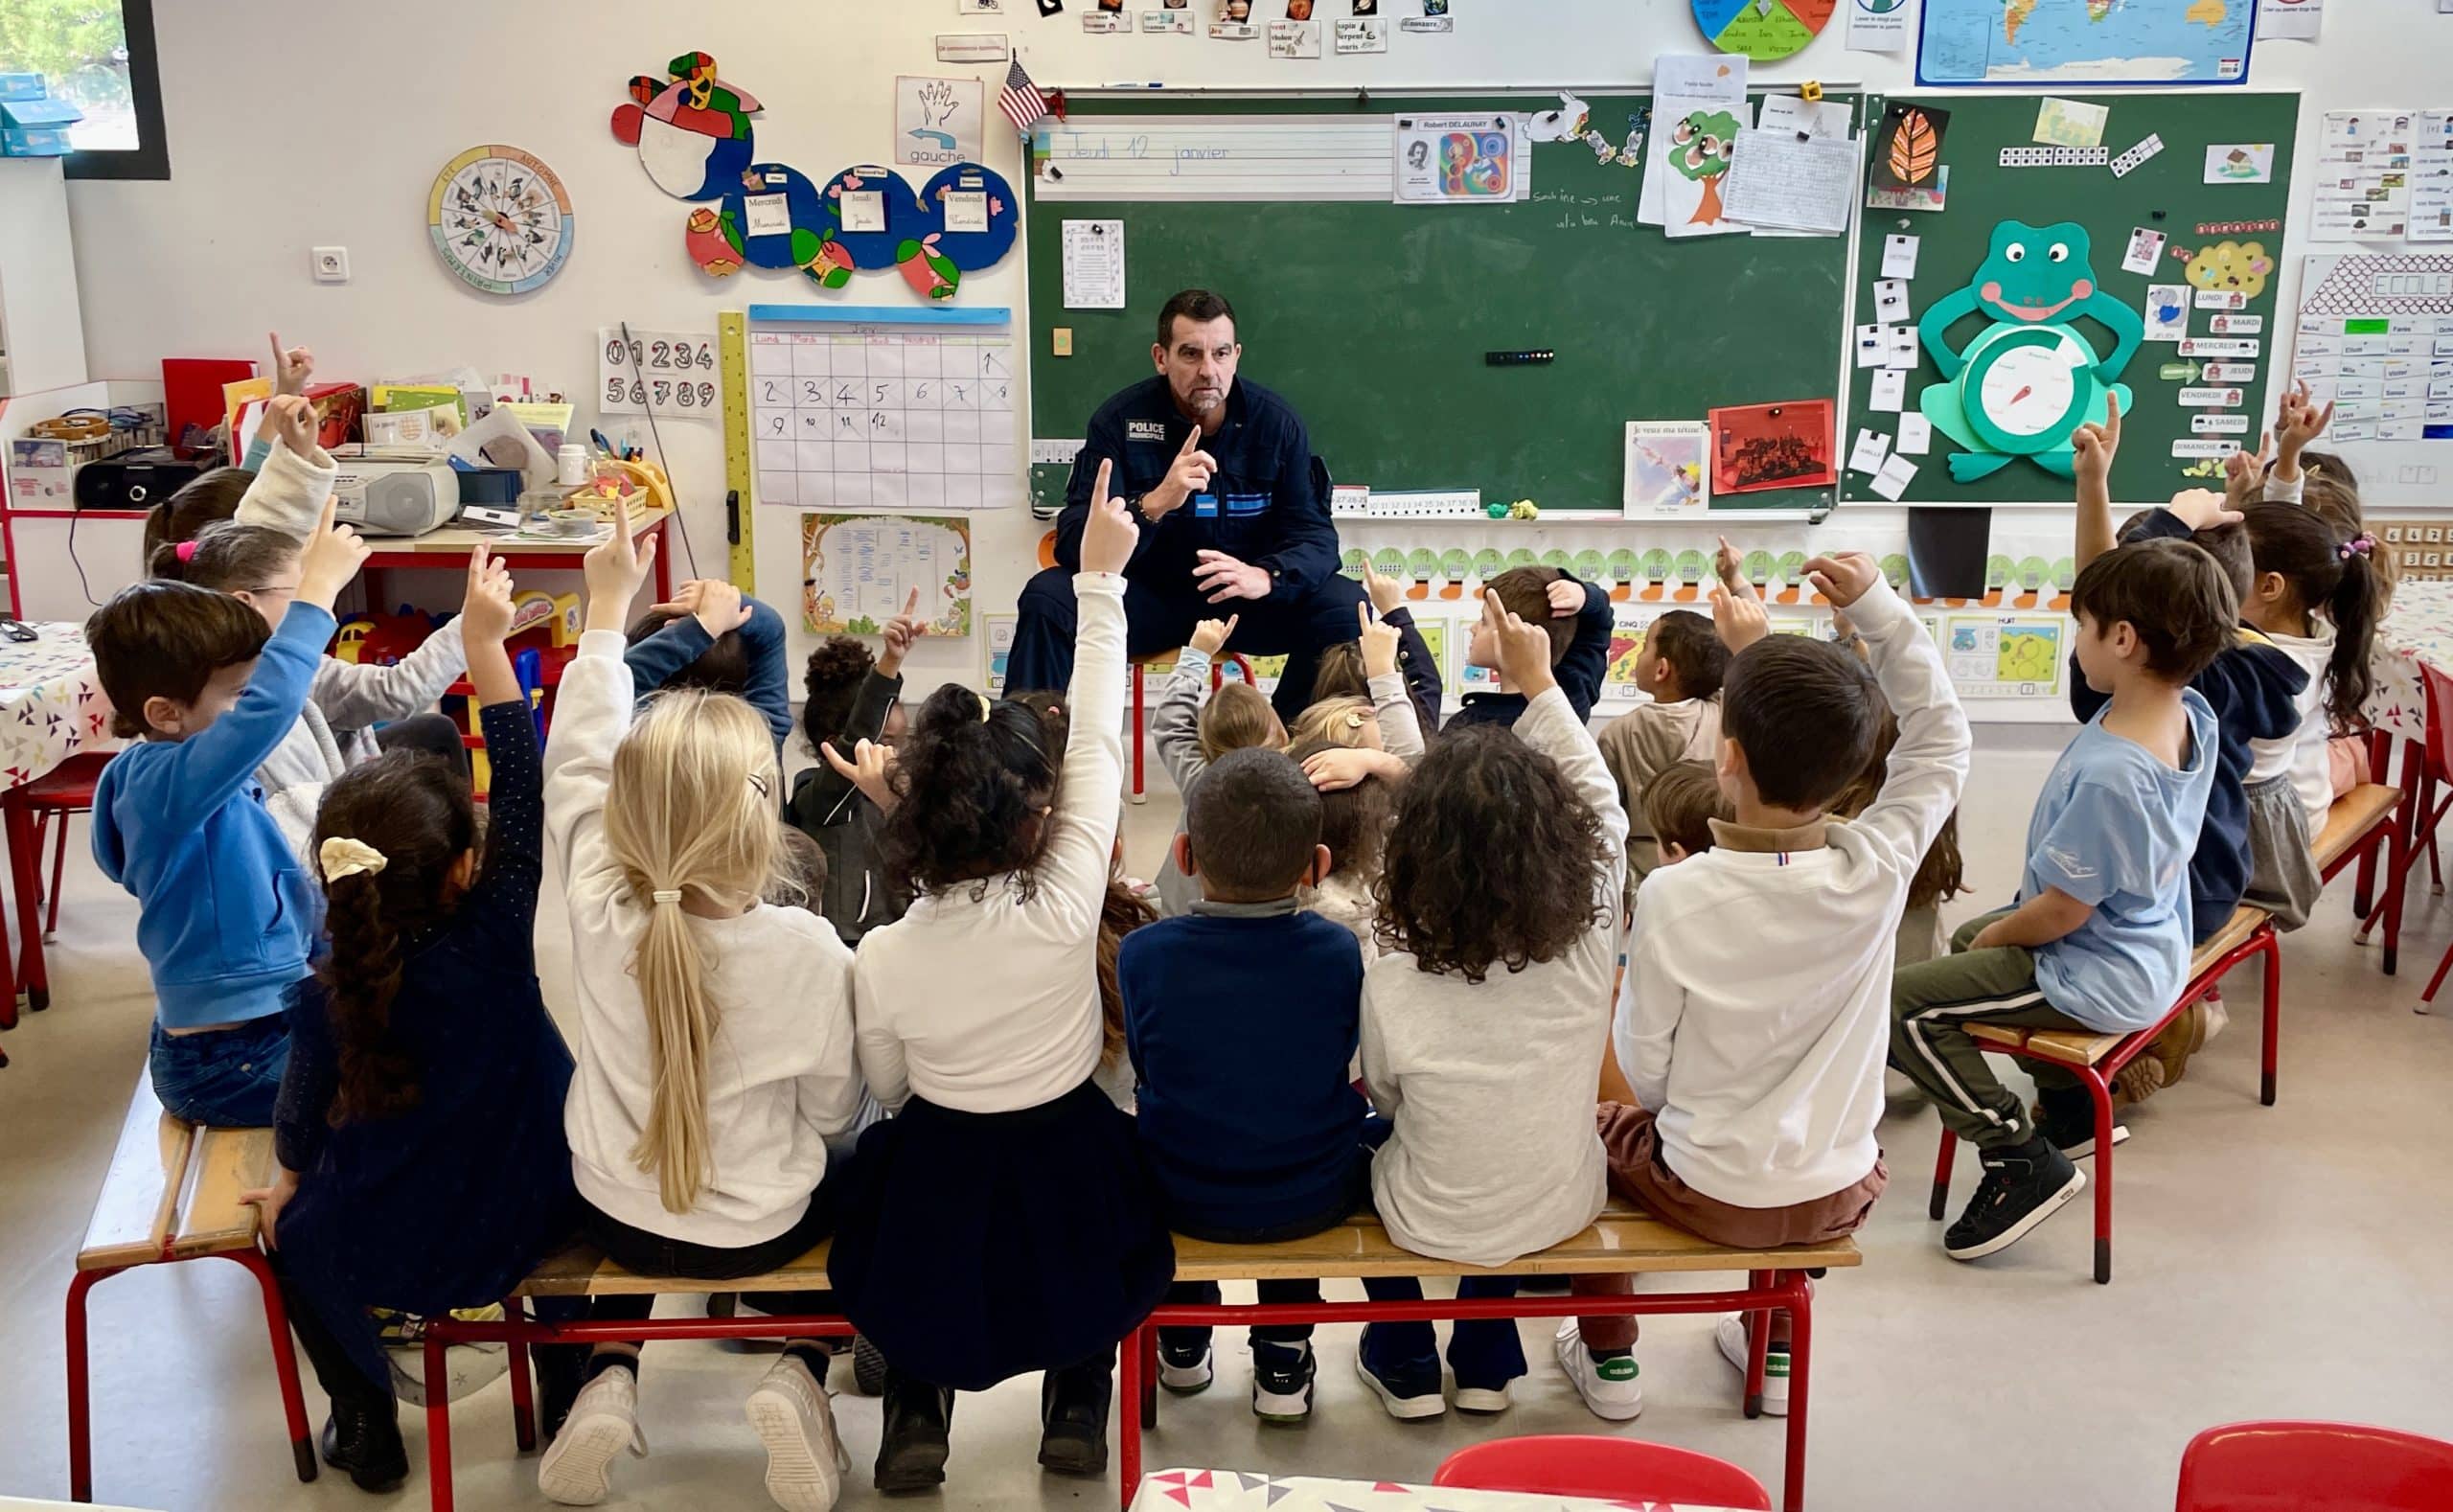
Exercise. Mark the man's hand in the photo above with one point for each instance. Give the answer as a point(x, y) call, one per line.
point(2096, 447)
point(1108, 534)
point(1210, 636)
point(1524, 650)
point(1379, 642)
point(484, 611)
point(1187, 476)
point(2298, 421)
point(1222, 577)
point(871, 770)
point(1387, 594)
point(332, 557)
point(294, 421)
point(2203, 509)
point(899, 633)
point(614, 569)
point(1566, 597)
point(1336, 769)
point(292, 367)
point(1844, 577)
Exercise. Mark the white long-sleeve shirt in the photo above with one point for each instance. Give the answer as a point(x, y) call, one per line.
point(781, 1077)
point(981, 1002)
point(1755, 1010)
point(1490, 1084)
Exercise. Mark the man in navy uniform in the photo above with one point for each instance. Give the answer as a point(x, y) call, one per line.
point(1218, 471)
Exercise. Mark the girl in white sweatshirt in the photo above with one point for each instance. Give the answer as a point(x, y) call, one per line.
point(715, 1052)
point(1001, 1223)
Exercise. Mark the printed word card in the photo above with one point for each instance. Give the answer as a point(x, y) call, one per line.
point(873, 417)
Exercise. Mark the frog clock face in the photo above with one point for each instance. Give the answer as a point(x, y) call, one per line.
point(2030, 380)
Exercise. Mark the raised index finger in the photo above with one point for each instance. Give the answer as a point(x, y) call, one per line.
point(912, 602)
point(1099, 488)
point(1192, 443)
point(2112, 420)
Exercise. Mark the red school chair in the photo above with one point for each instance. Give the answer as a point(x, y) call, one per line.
point(2286, 1466)
point(26, 812)
point(1609, 1469)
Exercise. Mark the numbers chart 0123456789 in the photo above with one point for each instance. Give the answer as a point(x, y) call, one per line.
point(880, 418)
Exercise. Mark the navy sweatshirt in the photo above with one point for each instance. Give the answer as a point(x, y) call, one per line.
point(2255, 687)
point(454, 1202)
point(1241, 1026)
point(1579, 672)
point(662, 656)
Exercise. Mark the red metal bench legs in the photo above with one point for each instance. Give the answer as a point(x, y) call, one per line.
point(284, 1364)
point(1766, 1292)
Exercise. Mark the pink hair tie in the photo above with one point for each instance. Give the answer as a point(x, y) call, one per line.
point(187, 551)
point(2360, 545)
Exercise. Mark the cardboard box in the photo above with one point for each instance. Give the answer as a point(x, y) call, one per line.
point(23, 86)
point(33, 142)
point(38, 475)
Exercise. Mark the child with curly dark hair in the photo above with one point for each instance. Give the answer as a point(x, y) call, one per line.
point(853, 696)
point(1482, 1025)
point(414, 1173)
point(1002, 1222)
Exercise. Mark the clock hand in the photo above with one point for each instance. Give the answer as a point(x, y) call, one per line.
point(2025, 389)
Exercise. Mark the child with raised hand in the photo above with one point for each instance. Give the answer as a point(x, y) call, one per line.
point(2099, 938)
point(208, 693)
point(1575, 617)
point(2250, 684)
point(716, 1050)
point(293, 367)
point(1343, 674)
point(712, 636)
point(1002, 1222)
point(1193, 726)
point(2316, 597)
point(414, 1173)
point(853, 696)
point(1751, 1022)
point(1242, 1019)
point(1483, 1024)
point(1679, 668)
point(338, 727)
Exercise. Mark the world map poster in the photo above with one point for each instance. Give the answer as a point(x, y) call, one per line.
point(2029, 42)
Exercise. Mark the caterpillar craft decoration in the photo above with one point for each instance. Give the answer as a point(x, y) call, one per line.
point(694, 137)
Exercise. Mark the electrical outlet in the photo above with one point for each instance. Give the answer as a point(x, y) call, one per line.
point(332, 265)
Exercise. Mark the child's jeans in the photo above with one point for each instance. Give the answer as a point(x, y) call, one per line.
point(1483, 1352)
point(223, 1078)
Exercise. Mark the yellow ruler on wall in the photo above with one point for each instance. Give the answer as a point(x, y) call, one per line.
point(741, 523)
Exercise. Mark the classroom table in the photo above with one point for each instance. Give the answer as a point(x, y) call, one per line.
point(451, 546)
point(1242, 1491)
point(52, 707)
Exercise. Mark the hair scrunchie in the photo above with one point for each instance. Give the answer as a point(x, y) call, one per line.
point(342, 857)
point(985, 708)
point(187, 551)
point(665, 895)
point(2360, 545)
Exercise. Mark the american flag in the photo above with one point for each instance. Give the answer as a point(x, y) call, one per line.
point(1021, 100)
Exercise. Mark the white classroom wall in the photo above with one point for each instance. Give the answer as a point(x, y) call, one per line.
point(295, 127)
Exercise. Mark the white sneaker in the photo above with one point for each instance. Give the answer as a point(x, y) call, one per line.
point(1185, 1375)
point(1730, 1336)
point(805, 1459)
point(1486, 1400)
point(1607, 1387)
point(577, 1471)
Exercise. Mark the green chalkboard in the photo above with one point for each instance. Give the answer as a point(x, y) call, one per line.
point(2213, 231)
point(1373, 318)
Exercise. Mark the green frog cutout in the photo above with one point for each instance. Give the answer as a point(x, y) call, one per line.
point(2028, 381)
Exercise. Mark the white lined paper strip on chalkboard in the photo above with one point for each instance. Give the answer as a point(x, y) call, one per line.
point(1220, 157)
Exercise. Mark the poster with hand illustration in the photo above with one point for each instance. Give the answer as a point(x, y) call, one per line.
point(937, 121)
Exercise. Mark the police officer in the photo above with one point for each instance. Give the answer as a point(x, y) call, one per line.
point(1219, 471)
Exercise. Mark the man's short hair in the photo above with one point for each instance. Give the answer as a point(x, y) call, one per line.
point(1525, 593)
point(1806, 713)
point(2172, 594)
point(1199, 306)
point(1694, 650)
point(1254, 819)
point(166, 640)
point(1681, 803)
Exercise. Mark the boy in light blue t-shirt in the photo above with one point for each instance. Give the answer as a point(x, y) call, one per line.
point(2099, 939)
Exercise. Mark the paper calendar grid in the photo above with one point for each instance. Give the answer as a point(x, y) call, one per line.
point(866, 417)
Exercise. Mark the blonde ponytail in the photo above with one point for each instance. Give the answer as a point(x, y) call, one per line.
point(690, 816)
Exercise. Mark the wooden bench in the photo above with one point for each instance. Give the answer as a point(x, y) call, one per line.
point(1623, 1241)
point(172, 1195)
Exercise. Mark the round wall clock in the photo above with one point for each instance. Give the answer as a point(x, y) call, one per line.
point(500, 220)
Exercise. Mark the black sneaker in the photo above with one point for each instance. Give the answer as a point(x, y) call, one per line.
point(912, 1448)
point(1184, 1368)
point(365, 1441)
point(2023, 1186)
point(868, 1367)
point(1282, 1377)
point(1073, 1419)
point(2071, 1125)
point(1410, 1388)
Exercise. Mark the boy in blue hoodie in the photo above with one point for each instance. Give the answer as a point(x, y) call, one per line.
point(1241, 1017)
point(1578, 619)
point(229, 916)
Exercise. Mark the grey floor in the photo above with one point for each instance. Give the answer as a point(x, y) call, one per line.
point(2276, 1261)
